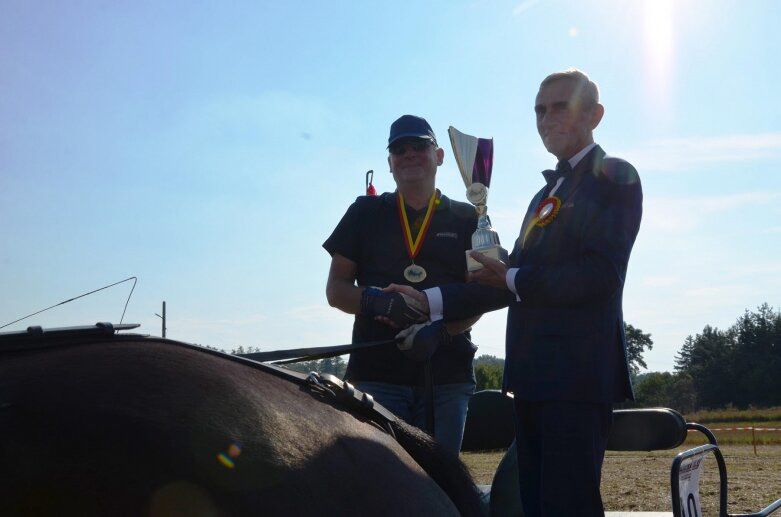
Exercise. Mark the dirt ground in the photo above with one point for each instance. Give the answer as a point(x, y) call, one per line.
point(633, 481)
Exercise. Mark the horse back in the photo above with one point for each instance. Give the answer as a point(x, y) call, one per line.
point(148, 427)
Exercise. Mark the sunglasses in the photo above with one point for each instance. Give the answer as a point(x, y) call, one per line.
point(418, 146)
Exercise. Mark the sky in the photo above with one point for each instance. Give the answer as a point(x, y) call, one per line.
point(209, 148)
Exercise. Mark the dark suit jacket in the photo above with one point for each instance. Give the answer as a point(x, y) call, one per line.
point(565, 337)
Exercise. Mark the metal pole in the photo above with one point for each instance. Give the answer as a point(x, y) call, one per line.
point(163, 319)
point(753, 438)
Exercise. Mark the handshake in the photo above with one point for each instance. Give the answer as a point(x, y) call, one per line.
point(419, 338)
point(396, 309)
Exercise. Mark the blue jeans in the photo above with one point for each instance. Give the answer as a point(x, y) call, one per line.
point(451, 402)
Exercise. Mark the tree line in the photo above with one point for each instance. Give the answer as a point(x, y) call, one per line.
point(737, 367)
point(740, 366)
point(489, 368)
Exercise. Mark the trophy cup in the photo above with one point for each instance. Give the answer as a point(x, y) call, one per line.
point(474, 157)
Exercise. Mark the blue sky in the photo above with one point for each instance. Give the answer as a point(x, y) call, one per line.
point(210, 148)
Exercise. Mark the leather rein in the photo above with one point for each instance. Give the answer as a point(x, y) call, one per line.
point(295, 355)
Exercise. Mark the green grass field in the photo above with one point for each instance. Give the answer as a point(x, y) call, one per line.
point(739, 427)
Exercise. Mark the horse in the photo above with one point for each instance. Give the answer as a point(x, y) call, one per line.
point(97, 423)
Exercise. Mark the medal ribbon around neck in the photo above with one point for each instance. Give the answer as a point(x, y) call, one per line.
point(414, 245)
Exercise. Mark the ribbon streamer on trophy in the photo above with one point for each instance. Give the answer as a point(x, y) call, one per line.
point(474, 157)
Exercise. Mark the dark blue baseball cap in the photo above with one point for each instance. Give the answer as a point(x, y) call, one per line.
point(411, 126)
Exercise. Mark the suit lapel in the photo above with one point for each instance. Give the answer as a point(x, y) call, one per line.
point(527, 219)
point(589, 165)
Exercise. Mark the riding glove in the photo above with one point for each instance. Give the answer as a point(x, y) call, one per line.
point(422, 340)
point(401, 309)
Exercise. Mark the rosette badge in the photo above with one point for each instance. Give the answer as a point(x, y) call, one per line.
point(474, 157)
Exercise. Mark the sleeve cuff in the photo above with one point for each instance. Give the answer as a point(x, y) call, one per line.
point(435, 308)
point(510, 281)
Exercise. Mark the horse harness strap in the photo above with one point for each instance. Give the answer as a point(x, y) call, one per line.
point(353, 398)
point(330, 386)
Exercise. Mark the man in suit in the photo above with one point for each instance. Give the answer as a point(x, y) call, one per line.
point(566, 360)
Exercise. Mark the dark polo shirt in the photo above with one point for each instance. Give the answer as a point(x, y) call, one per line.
point(370, 234)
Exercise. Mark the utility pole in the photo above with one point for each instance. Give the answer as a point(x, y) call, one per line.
point(163, 318)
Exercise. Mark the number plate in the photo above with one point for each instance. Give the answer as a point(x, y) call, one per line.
point(689, 485)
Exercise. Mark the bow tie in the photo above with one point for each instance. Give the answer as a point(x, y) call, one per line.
point(562, 169)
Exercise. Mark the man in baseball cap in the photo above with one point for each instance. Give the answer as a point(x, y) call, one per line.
point(413, 236)
point(411, 126)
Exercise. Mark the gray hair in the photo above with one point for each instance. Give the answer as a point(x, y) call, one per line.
point(585, 89)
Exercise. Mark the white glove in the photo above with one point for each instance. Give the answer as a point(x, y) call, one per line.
point(420, 341)
point(408, 336)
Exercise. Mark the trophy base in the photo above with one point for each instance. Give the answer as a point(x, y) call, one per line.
point(495, 252)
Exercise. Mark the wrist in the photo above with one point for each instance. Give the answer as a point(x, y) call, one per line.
point(445, 334)
point(368, 303)
point(434, 303)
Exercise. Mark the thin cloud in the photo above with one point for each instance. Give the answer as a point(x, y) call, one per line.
point(713, 295)
point(524, 6)
point(658, 281)
point(315, 313)
point(678, 154)
point(768, 270)
point(665, 213)
point(221, 323)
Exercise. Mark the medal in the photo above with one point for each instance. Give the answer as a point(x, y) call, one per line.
point(415, 273)
point(477, 193)
point(547, 210)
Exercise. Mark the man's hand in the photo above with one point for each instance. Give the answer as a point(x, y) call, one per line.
point(417, 298)
point(422, 340)
point(493, 273)
point(393, 308)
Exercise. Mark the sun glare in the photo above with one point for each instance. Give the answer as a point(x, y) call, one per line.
point(658, 32)
point(658, 38)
